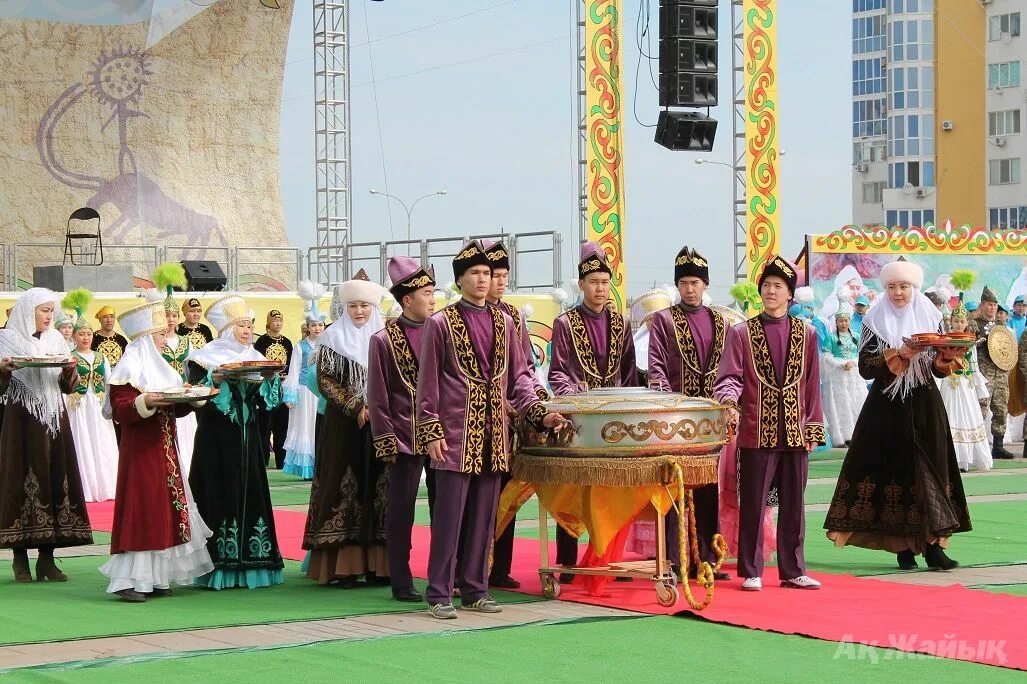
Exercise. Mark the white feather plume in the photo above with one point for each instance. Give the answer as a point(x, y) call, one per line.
point(804, 295)
point(152, 295)
point(559, 295)
point(528, 309)
point(308, 290)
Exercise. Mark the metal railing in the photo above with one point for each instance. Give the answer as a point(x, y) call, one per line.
point(530, 270)
point(535, 259)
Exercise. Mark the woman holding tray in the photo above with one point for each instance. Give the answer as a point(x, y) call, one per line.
point(228, 472)
point(159, 538)
point(41, 502)
point(965, 393)
point(899, 489)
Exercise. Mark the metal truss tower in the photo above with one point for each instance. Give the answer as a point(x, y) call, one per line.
point(738, 151)
point(331, 139)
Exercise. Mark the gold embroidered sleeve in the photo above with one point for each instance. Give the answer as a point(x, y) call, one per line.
point(428, 431)
point(814, 432)
point(542, 394)
point(535, 414)
point(339, 395)
point(386, 447)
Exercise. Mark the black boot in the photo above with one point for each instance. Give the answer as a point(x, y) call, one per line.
point(936, 558)
point(999, 451)
point(46, 569)
point(907, 560)
point(21, 566)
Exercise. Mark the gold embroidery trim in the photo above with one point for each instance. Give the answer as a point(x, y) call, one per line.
point(773, 397)
point(386, 446)
point(586, 356)
point(483, 396)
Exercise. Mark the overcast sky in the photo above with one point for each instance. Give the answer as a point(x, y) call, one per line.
point(482, 107)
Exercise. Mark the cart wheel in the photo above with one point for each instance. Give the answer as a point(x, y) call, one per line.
point(550, 587)
point(666, 594)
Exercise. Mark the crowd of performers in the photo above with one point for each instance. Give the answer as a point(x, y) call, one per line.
point(369, 409)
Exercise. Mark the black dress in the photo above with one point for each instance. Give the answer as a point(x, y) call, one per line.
point(228, 478)
point(899, 487)
point(345, 531)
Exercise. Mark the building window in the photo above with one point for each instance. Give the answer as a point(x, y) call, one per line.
point(1008, 217)
point(1004, 171)
point(1004, 75)
point(868, 34)
point(867, 151)
point(1006, 122)
point(1004, 25)
point(873, 193)
point(868, 76)
point(867, 5)
point(868, 117)
point(912, 40)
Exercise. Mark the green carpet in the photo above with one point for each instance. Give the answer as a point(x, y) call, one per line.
point(657, 649)
point(1013, 589)
point(973, 486)
point(997, 538)
point(82, 608)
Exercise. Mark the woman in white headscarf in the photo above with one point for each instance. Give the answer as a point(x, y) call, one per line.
point(899, 489)
point(228, 474)
point(345, 532)
point(41, 502)
point(159, 538)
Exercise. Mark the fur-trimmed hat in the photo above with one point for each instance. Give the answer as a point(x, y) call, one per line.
point(902, 271)
point(593, 260)
point(407, 275)
point(782, 268)
point(497, 253)
point(471, 254)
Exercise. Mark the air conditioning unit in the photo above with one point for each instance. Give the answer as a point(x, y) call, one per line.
point(921, 192)
point(1000, 141)
point(985, 2)
point(947, 125)
point(862, 168)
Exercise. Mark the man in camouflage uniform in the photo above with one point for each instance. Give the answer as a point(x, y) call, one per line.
point(998, 379)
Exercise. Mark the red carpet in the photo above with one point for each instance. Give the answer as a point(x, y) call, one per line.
point(951, 621)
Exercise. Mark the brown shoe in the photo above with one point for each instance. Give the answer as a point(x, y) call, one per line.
point(131, 595)
point(21, 569)
point(46, 569)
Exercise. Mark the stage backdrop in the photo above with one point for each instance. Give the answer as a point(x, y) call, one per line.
point(161, 114)
point(847, 262)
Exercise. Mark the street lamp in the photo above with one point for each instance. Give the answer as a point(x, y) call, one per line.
point(409, 210)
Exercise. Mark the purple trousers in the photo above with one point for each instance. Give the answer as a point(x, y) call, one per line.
point(471, 500)
point(707, 523)
point(404, 480)
point(760, 468)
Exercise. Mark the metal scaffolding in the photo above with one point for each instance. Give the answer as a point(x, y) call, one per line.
point(331, 140)
point(582, 131)
point(738, 152)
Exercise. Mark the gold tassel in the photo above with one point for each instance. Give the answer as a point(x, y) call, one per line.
point(619, 472)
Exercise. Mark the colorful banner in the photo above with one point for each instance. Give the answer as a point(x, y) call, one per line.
point(604, 154)
point(847, 263)
point(760, 36)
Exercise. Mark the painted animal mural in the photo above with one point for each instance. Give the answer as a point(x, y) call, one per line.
point(117, 83)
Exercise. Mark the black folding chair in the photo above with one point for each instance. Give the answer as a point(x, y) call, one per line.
point(83, 248)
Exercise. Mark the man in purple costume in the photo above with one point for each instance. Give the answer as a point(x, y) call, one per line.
point(471, 366)
point(686, 344)
point(592, 347)
point(770, 375)
point(499, 259)
point(391, 384)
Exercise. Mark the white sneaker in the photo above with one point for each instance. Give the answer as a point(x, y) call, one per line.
point(801, 582)
point(752, 584)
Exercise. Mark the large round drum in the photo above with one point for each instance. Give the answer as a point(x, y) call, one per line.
point(632, 422)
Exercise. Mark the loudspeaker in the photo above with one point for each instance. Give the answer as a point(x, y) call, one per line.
point(688, 53)
point(685, 131)
point(204, 276)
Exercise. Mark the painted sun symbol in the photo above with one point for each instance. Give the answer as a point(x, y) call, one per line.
point(118, 77)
